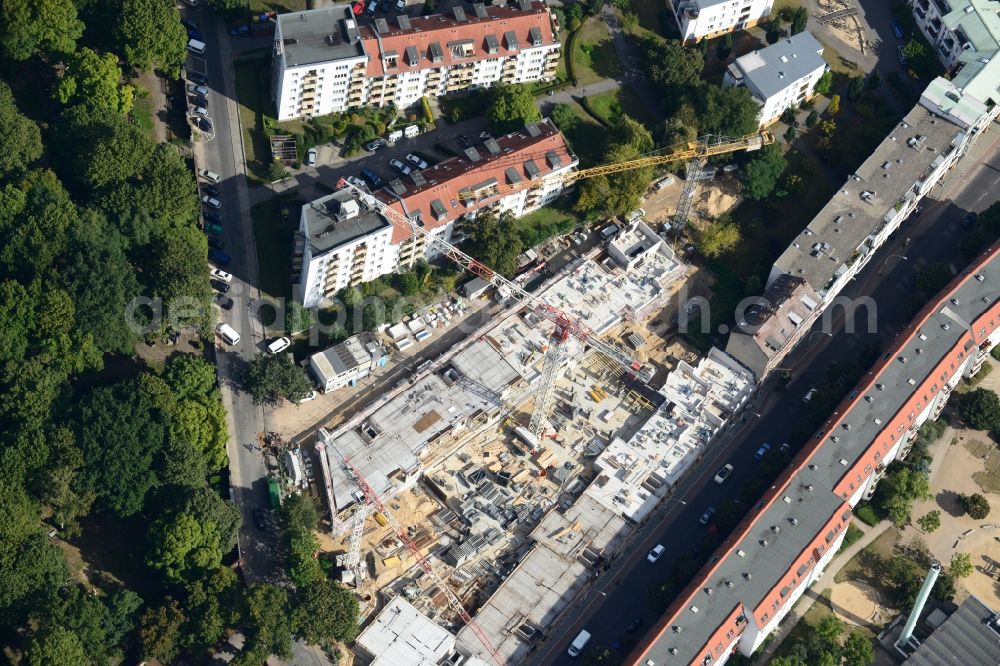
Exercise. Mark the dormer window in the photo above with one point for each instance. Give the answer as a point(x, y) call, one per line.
point(462, 49)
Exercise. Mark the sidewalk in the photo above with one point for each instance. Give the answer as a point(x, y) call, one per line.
point(824, 581)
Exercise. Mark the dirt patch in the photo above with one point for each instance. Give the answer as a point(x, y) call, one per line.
point(860, 604)
point(985, 449)
point(155, 356)
point(711, 199)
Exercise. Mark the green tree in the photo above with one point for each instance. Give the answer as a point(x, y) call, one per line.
point(798, 20)
point(45, 27)
point(152, 35)
point(975, 505)
point(761, 175)
point(511, 107)
point(718, 237)
point(120, 439)
point(834, 106)
point(980, 409)
point(828, 630)
point(961, 565)
point(812, 119)
point(269, 378)
point(855, 88)
point(56, 646)
point(617, 194)
point(728, 111)
point(824, 82)
point(858, 650)
point(930, 521)
point(299, 520)
point(827, 129)
point(211, 607)
point(494, 241)
point(668, 63)
point(164, 188)
point(101, 146)
point(922, 60)
point(94, 80)
point(932, 278)
point(20, 141)
point(177, 275)
point(160, 631)
point(268, 625)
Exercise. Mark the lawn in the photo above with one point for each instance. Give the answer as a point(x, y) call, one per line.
point(654, 15)
point(273, 237)
point(280, 6)
point(142, 112)
point(251, 94)
point(594, 56)
point(610, 105)
point(545, 223)
point(988, 479)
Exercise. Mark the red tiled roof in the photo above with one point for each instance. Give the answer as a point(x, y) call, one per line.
point(444, 28)
point(445, 180)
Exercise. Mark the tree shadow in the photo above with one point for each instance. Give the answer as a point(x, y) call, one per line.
point(948, 501)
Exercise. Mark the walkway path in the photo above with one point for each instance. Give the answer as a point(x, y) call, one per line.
point(567, 95)
point(824, 581)
point(631, 62)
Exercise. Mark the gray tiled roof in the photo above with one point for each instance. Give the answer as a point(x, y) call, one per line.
point(774, 68)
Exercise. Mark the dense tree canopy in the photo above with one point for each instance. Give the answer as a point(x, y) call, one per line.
point(43, 27)
point(270, 378)
point(326, 612)
point(152, 35)
point(494, 241)
point(718, 237)
point(93, 79)
point(617, 194)
point(20, 141)
point(511, 107)
point(101, 146)
point(761, 174)
point(980, 409)
point(669, 63)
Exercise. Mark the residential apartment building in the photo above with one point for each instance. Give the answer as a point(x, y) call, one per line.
point(705, 19)
point(960, 31)
point(341, 242)
point(325, 61)
point(736, 601)
point(876, 199)
point(779, 76)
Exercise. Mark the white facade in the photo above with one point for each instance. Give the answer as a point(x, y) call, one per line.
point(704, 19)
point(958, 27)
point(343, 246)
point(325, 62)
point(345, 363)
point(780, 76)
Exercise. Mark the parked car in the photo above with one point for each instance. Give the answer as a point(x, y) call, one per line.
point(762, 451)
point(357, 182)
point(211, 201)
point(210, 190)
point(809, 395)
point(903, 60)
point(220, 286)
point(655, 553)
point(197, 89)
point(307, 397)
point(200, 111)
point(400, 167)
point(311, 157)
point(400, 5)
point(897, 30)
point(723, 474)
point(224, 302)
point(198, 100)
point(416, 161)
point(278, 345)
point(219, 257)
point(212, 216)
point(969, 220)
point(198, 78)
point(194, 34)
point(213, 228)
point(384, 6)
point(218, 274)
point(785, 448)
point(189, 24)
point(239, 30)
point(706, 517)
point(204, 124)
point(210, 175)
point(374, 145)
point(216, 242)
point(373, 178)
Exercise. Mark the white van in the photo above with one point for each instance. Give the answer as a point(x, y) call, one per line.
point(229, 334)
point(579, 643)
point(278, 345)
point(210, 176)
point(195, 46)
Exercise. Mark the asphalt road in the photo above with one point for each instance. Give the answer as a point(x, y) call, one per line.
point(620, 595)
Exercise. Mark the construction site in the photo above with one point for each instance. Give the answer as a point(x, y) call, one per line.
point(483, 493)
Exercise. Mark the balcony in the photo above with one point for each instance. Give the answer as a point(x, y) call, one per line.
point(942, 6)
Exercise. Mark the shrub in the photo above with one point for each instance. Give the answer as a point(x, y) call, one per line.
point(867, 515)
point(980, 409)
point(425, 104)
point(975, 505)
point(853, 534)
point(930, 521)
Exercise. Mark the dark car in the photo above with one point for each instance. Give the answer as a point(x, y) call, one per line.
point(373, 178)
point(384, 6)
point(969, 220)
point(198, 100)
point(224, 302)
point(220, 286)
point(219, 257)
point(194, 34)
point(239, 30)
point(204, 124)
point(212, 216)
point(217, 243)
point(208, 189)
point(197, 77)
point(897, 30)
point(706, 517)
point(374, 145)
point(189, 24)
point(258, 519)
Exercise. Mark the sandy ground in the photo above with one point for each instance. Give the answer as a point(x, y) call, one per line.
point(859, 604)
point(952, 475)
point(712, 199)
